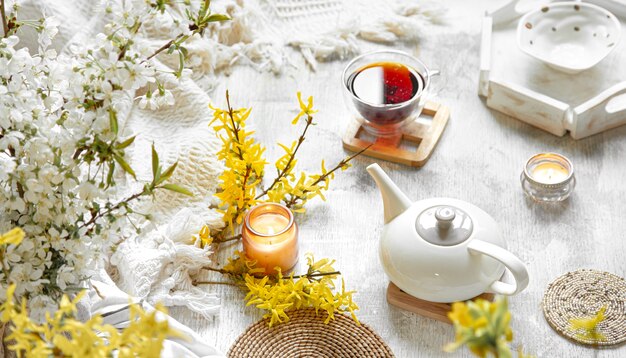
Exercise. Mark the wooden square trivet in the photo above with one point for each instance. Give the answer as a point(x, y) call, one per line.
point(388, 148)
point(435, 310)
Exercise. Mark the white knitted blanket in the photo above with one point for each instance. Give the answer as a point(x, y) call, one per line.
point(160, 263)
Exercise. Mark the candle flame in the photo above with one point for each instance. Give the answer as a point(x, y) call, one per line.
point(270, 231)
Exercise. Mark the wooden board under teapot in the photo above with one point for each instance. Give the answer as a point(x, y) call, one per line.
point(435, 310)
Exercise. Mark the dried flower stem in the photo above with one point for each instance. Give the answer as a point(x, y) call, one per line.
point(222, 271)
point(235, 126)
point(287, 169)
point(5, 24)
point(179, 38)
point(5, 270)
point(240, 210)
point(294, 199)
point(127, 44)
point(111, 209)
point(218, 283)
point(232, 238)
point(320, 274)
point(307, 275)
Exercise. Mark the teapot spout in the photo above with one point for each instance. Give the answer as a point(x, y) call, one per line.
point(394, 200)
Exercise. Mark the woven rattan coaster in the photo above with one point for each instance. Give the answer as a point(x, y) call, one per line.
point(306, 335)
point(581, 294)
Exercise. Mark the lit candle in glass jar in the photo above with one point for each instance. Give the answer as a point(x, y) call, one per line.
point(548, 177)
point(270, 236)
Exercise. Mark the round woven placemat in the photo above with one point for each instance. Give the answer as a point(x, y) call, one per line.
point(582, 293)
point(306, 335)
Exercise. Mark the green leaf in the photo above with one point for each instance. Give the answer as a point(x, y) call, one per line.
point(110, 174)
point(120, 160)
point(113, 121)
point(126, 143)
point(155, 163)
point(177, 188)
point(184, 51)
point(181, 64)
point(167, 173)
point(218, 17)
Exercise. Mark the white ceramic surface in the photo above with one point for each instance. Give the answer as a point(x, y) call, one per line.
point(438, 273)
point(569, 36)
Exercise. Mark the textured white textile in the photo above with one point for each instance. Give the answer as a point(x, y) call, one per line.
point(108, 301)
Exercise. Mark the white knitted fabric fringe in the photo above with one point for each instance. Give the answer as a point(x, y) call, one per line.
point(160, 264)
point(272, 35)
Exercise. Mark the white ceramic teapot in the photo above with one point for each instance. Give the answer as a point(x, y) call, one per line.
point(441, 249)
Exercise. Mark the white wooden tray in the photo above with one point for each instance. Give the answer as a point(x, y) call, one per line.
point(518, 85)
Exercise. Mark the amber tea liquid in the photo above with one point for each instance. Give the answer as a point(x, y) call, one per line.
point(384, 83)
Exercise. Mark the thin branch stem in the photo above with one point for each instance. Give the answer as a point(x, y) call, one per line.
point(167, 45)
point(287, 168)
point(232, 238)
point(162, 48)
point(235, 127)
point(5, 21)
point(222, 271)
point(240, 210)
point(5, 270)
point(124, 48)
point(111, 209)
point(217, 283)
point(318, 274)
point(294, 200)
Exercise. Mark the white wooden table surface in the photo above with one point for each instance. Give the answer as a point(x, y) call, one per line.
point(479, 159)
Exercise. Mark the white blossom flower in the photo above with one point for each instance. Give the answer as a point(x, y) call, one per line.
point(56, 115)
point(49, 29)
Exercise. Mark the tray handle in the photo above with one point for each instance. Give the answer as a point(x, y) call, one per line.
point(596, 115)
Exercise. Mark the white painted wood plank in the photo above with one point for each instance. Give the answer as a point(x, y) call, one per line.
point(485, 56)
point(531, 107)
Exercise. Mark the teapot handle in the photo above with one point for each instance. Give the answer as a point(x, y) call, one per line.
point(512, 263)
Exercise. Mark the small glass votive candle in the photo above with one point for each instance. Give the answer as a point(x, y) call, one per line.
point(270, 236)
point(548, 177)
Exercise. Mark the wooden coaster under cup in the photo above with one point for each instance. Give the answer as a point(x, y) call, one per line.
point(388, 148)
point(435, 310)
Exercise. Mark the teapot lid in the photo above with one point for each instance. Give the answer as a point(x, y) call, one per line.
point(444, 225)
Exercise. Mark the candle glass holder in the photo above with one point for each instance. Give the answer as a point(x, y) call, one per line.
point(392, 72)
point(548, 177)
point(270, 236)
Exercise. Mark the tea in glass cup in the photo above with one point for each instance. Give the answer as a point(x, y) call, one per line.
point(386, 90)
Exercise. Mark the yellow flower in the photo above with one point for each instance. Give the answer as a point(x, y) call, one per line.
point(63, 335)
point(204, 236)
point(13, 237)
point(305, 109)
point(460, 314)
point(589, 326)
point(482, 326)
point(277, 295)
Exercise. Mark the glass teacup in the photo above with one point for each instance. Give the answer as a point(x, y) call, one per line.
point(384, 108)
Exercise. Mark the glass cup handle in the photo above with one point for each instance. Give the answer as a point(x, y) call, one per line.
point(433, 90)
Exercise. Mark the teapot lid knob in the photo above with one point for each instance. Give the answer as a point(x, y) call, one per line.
point(445, 214)
point(444, 225)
